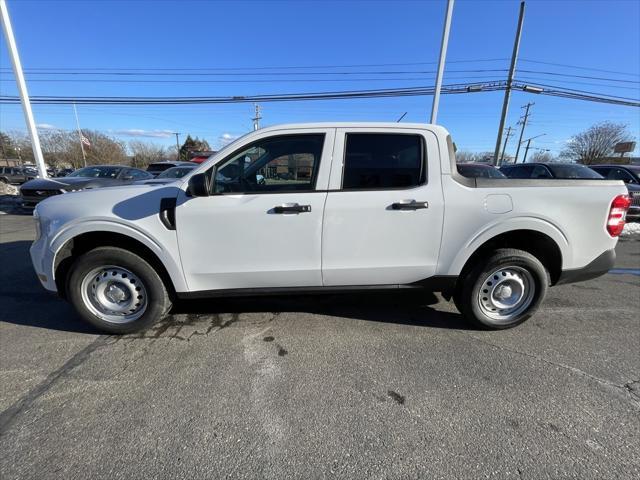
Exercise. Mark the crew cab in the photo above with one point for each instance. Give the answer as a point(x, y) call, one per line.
point(326, 208)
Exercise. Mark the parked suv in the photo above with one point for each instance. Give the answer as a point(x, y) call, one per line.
point(15, 175)
point(560, 171)
point(630, 175)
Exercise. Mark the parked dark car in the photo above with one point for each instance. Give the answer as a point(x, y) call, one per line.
point(170, 175)
point(96, 176)
point(16, 175)
point(64, 172)
point(630, 175)
point(157, 168)
point(479, 170)
point(560, 171)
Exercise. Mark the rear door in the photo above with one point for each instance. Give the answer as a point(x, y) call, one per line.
point(261, 226)
point(384, 210)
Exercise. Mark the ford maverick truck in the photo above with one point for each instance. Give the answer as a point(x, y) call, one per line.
point(326, 208)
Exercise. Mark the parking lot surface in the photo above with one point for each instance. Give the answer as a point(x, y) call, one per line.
point(340, 386)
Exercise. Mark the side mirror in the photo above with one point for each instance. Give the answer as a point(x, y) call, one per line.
point(199, 185)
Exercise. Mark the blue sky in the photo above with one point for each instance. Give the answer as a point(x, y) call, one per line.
point(114, 34)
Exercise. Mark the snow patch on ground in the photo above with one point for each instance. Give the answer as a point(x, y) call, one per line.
point(631, 229)
point(6, 189)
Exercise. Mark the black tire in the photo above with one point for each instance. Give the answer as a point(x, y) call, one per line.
point(474, 285)
point(157, 301)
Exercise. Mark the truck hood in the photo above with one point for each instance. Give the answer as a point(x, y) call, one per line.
point(121, 204)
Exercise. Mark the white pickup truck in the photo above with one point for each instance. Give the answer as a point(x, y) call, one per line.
point(326, 208)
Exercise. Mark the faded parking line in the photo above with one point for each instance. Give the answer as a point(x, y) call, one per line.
point(625, 271)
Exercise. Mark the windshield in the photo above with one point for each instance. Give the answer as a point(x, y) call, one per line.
point(635, 169)
point(97, 172)
point(175, 172)
point(159, 167)
point(573, 171)
point(479, 171)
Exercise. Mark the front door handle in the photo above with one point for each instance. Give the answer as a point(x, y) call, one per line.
point(409, 205)
point(291, 208)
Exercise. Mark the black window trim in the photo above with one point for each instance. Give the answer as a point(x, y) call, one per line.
point(316, 170)
point(424, 173)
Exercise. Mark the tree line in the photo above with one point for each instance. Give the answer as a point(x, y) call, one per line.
point(61, 148)
point(592, 146)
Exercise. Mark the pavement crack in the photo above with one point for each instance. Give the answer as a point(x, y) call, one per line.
point(627, 388)
point(10, 414)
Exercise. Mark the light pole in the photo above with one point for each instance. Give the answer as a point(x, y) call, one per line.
point(441, 61)
point(22, 88)
point(507, 92)
point(177, 134)
point(526, 150)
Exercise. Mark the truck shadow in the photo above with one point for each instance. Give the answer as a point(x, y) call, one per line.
point(25, 302)
point(402, 308)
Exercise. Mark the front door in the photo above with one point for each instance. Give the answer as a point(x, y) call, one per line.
point(384, 211)
point(261, 225)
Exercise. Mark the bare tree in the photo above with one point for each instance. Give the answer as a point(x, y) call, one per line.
point(596, 142)
point(145, 153)
point(471, 157)
point(541, 156)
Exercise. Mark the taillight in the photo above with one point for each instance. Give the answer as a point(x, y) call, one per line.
point(617, 214)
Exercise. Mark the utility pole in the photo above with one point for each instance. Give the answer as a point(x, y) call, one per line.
point(177, 134)
point(526, 150)
point(84, 155)
point(257, 117)
point(22, 88)
point(523, 122)
point(504, 146)
point(507, 91)
point(441, 60)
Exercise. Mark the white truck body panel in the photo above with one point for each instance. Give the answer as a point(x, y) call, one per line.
point(363, 240)
point(230, 241)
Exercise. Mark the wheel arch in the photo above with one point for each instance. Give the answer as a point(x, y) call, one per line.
point(537, 243)
point(81, 243)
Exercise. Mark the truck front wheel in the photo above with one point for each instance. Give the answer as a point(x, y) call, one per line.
point(116, 290)
point(503, 290)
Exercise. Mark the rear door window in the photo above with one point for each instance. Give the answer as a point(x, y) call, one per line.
point(378, 161)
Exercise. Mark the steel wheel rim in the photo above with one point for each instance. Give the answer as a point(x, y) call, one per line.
point(114, 294)
point(506, 293)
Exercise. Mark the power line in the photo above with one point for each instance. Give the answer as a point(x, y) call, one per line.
point(280, 80)
point(580, 67)
point(333, 95)
point(253, 74)
point(546, 88)
point(293, 67)
point(538, 72)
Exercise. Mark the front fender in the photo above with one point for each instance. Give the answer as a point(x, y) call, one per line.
point(167, 256)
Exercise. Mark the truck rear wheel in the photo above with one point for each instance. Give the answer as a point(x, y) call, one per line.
point(503, 290)
point(116, 290)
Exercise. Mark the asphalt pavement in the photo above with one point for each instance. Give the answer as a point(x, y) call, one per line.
point(340, 386)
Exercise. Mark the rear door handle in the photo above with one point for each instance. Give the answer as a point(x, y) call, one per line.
point(409, 205)
point(291, 208)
